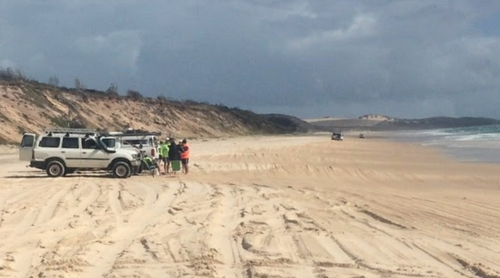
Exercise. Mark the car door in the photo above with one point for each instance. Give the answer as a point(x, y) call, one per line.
point(92, 155)
point(27, 146)
point(70, 150)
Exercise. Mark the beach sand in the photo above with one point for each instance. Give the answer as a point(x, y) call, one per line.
point(301, 206)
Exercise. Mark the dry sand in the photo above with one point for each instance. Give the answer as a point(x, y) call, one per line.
point(259, 207)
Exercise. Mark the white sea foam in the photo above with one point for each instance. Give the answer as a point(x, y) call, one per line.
point(478, 143)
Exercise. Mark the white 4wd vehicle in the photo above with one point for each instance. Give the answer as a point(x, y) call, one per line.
point(146, 141)
point(61, 153)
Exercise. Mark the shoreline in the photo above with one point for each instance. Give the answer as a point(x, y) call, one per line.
point(462, 151)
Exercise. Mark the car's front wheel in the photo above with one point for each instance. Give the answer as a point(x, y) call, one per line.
point(121, 170)
point(55, 169)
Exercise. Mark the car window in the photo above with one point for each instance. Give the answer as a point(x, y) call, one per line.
point(89, 143)
point(49, 142)
point(109, 142)
point(27, 141)
point(70, 143)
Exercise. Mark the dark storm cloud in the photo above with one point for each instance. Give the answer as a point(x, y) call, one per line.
point(306, 58)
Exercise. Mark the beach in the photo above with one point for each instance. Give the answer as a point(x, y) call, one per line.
point(259, 206)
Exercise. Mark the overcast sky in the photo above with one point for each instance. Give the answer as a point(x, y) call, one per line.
point(341, 58)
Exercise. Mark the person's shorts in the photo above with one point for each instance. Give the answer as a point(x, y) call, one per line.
point(185, 161)
point(164, 159)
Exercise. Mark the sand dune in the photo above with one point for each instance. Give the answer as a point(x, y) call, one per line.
point(259, 207)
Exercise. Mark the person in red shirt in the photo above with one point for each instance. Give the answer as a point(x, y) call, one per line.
point(185, 156)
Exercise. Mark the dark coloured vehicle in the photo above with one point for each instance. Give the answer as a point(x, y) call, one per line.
point(337, 136)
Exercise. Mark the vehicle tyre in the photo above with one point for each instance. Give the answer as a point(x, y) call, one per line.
point(121, 170)
point(55, 168)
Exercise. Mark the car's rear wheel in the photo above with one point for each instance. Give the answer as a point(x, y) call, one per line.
point(55, 168)
point(121, 170)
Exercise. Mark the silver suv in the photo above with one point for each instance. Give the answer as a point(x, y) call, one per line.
point(144, 140)
point(61, 152)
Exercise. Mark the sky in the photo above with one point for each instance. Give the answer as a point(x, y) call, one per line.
point(310, 59)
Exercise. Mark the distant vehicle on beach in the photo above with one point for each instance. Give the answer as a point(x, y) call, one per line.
point(337, 136)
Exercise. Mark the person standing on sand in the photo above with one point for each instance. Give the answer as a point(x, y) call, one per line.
point(173, 154)
point(160, 154)
point(164, 155)
point(185, 156)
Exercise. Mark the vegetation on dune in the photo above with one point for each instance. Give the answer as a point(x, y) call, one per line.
point(81, 107)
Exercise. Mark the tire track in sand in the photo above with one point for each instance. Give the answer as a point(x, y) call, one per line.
point(101, 238)
point(223, 223)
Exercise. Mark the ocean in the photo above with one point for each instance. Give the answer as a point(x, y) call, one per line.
point(471, 144)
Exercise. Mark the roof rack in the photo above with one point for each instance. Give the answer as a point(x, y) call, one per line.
point(71, 130)
point(123, 134)
point(95, 132)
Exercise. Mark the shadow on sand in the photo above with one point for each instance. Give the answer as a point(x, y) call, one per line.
point(106, 176)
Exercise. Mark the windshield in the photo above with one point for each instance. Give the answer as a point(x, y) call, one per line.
point(135, 142)
point(109, 142)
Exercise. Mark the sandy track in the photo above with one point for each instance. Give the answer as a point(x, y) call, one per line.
point(259, 207)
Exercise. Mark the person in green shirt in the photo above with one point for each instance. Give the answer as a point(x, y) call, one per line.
point(164, 155)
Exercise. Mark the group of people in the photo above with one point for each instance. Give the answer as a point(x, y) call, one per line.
point(174, 155)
